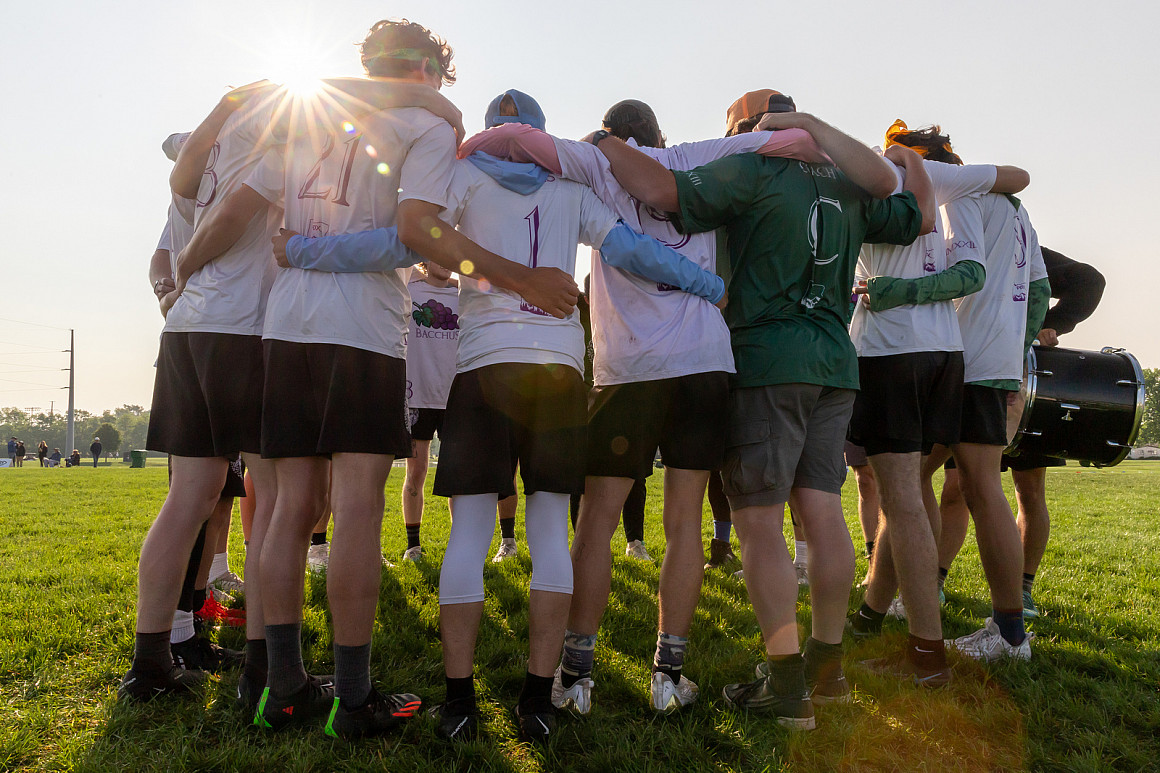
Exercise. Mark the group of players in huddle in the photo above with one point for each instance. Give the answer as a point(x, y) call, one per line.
point(722, 287)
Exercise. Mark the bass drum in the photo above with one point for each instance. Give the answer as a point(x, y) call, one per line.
point(1081, 405)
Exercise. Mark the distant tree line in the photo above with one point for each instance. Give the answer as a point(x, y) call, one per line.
point(1150, 426)
point(123, 429)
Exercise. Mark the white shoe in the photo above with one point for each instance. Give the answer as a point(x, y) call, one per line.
point(317, 557)
point(507, 549)
point(413, 554)
point(896, 609)
point(387, 564)
point(803, 574)
point(667, 696)
point(228, 582)
point(740, 575)
point(988, 645)
point(578, 696)
point(219, 595)
point(636, 549)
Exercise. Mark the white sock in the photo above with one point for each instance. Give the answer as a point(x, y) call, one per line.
point(182, 627)
point(220, 565)
point(801, 553)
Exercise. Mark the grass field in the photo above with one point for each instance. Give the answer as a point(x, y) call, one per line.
point(1087, 701)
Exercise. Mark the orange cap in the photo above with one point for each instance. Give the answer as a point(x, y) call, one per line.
point(751, 105)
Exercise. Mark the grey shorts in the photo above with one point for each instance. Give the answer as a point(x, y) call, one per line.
point(785, 436)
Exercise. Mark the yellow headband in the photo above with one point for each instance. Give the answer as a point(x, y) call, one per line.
point(898, 132)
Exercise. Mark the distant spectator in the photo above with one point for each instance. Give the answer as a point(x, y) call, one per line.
point(20, 452)
point(12, 450)
point(42, 452)
point(95, 450)
point(74, 459)
point(54, 458)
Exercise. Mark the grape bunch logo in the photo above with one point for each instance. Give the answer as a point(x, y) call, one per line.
point(435, 315)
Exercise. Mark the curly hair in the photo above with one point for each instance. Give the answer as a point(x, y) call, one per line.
point(633, 118)
point(931, 143)
point(397, 47)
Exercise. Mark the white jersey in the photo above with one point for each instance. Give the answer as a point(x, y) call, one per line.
point(641, 330)
point(228, 294)
point(922, 327)
point(539, 229)
point(348, 175)
point(432, 343)
point(994, 320)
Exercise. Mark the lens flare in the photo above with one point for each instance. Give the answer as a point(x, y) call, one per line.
point(466, 268)
point(383, 168)
point(348, 127)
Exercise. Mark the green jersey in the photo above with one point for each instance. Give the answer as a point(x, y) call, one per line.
point(794, 230)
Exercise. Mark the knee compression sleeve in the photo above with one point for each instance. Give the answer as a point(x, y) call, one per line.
point(472, 527)
point(546, 526)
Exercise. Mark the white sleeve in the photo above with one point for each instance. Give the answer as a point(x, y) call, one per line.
point(429, 166)
point(166, 240)
point(596, 220)
point(963, 226)
point(185, 208)
point(953, 182)
point(268, 178)
point(1034, 251)
point(458, 192)
point(690, 155)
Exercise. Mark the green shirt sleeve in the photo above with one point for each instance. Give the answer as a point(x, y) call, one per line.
point(963, 278)
point(713, 194)
point(893, 220)
point(1038, 297)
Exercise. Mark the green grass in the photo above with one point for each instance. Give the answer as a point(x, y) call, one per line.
point(1087, 701)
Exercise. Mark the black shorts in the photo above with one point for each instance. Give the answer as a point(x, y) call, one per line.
point(1023, 462)
point(984, 416)
point(235, 485)
point(685, 417)
point(908, 402)
point(425, 422)
point(502, 415)
point(207, 396)
point(323, 399)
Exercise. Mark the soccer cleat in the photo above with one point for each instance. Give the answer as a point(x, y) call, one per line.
point(507, 549)
point(668, 696)
point(219, 595)
point(379, 714)
point(578, 696)
point(317, 557)
point(636, 549)
point(537, 721)
point(144, 685)
point(897, 609)
point(795, 712)
point(199, 654)
point(414, 554)
point(803, 574)
point(249, 693)
point(229, 582)
point(720, 554)
point(988, 645)
point(213, 612)
point(898, 665)
point(1030, 611)
point(311, 700)
point(457, 720)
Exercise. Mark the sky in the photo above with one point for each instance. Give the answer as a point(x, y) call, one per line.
point(1063, 89)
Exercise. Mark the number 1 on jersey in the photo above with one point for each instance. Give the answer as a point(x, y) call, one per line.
point(339, 197)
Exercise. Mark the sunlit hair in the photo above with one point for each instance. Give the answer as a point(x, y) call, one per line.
point(929, 142)
point(633, 118)
point(396, 48)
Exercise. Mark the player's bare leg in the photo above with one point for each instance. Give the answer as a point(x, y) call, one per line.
point(831, 563)
point(592, 550)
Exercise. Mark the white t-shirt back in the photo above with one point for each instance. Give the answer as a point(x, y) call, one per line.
point(432, 343)
point(993, 321)
point(345, 176)
point(539, 229)
point(923, 327)
point(228, 294)
point(642, 331)
point(176, 234)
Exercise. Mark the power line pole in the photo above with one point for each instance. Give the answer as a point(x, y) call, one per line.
point(71, 443)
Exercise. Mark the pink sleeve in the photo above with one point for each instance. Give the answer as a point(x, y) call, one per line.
point(794, 143)
point(515, 142)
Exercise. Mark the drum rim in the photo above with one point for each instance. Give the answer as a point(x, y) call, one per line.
point(1032, 387)
point(1141, 395)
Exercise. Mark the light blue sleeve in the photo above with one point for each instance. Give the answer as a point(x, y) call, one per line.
point(377, 250)
point(643, 255)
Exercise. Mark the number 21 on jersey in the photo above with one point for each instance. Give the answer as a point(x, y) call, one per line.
point(336, 193)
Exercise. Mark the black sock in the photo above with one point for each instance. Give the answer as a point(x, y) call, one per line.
point(460, 689)
point(285, 674)
point(151, 652)
point(318, 538)
point(507, 527)
point(1028, 581)
point(787, 675)
point(942, 573)
point(256, 661)
point(412, 534)
point(536, 694)
point(352, 674)
point(198, 598)
point(869, 550)
point(866, 620)
point(1010, 624)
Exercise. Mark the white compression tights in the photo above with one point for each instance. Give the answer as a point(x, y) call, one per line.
point(472, 528)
